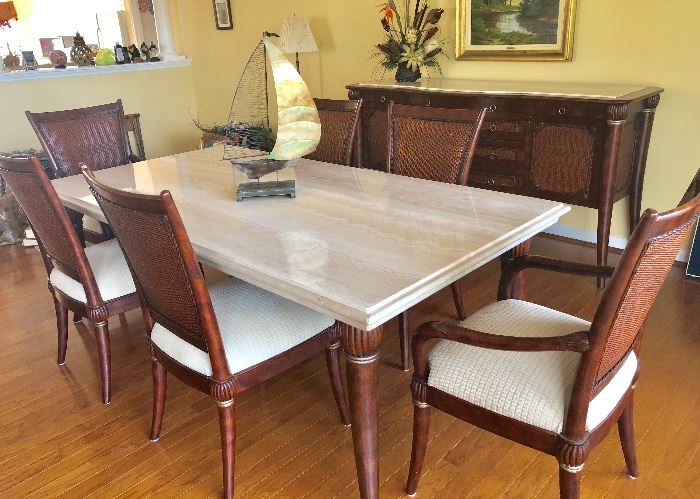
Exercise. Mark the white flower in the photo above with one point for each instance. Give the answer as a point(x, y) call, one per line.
point(412, 57)
point(430, 45)
point(411, 36)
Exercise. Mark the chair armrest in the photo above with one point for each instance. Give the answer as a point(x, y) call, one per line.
point(574, 342)
point(545, 263)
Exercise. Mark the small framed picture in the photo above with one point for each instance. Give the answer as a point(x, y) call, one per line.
point(222, 14)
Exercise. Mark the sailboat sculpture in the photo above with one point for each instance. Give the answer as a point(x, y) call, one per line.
point(250, 146)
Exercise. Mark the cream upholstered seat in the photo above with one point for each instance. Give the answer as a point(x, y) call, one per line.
point(531, 387)
point(111, 273)
point(93, 225)
point(255, 326)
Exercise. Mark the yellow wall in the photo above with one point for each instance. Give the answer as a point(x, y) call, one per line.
point(622, 41)
point(164, 97)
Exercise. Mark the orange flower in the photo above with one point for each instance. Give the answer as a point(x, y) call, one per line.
point(388, 12)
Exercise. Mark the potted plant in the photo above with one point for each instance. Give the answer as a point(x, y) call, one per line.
point(411, 39)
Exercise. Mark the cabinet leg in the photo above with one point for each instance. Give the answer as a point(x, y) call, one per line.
point(604, 218)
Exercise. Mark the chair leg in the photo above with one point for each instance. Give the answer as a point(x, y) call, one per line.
point(160, 383)
point(227, 425)
point(341, 399)
point(569, 484)
point(421, 427)
point(626, 429)
point(459, 301)
point(62, 325)
point(77, 318)
point(404, 340)
point(102, 335)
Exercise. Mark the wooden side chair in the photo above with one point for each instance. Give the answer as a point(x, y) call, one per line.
point(133, 127)
point(432, 144)
point(221, 339)
point(338, 127)
point(96, 135)
point(94, 282)
point(542, 378)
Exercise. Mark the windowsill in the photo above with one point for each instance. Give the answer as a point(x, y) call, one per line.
point(71, 71)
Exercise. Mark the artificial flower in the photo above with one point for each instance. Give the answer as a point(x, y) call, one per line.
point(434, 16)
point(430, 45)
point(412, 57)
point(411, 36)
point(388, 11)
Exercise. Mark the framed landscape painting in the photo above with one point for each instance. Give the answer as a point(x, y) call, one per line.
point(531, 30)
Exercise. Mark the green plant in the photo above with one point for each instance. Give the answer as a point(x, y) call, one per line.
point(242, 134)
point(410, 41)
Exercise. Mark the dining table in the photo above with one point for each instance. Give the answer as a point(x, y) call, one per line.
point(356, 244)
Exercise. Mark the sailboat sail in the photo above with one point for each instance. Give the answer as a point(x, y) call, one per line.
point(299, 127)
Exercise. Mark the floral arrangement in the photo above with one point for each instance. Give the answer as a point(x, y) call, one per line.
point(411, 42)
point(242, 134)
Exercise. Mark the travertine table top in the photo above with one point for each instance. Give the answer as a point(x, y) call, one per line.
point(360, 245)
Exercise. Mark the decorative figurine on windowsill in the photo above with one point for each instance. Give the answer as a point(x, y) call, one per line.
point(153, 52)
point(144, 52)
point(11, 61)
point(81, 54)
point(58, 58)
point(29, 62)
point(105, 57)
point(121, 54)
point(134, 53)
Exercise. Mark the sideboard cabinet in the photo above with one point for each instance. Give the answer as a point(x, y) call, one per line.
point(582, 144)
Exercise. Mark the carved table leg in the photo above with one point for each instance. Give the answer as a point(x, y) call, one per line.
point(76, 219)
point(517, 289)
point(361, 354)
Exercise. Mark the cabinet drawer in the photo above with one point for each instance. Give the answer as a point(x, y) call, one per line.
point(564, 109)
point(494, 180)
point(503, 129)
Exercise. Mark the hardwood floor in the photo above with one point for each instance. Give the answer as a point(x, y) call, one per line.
point(56, 437)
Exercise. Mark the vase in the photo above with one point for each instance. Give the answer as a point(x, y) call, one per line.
point(406, 74)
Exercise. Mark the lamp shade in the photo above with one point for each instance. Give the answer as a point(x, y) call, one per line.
point(297, 36)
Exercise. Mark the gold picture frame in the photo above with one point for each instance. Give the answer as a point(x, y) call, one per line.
point(480, 34)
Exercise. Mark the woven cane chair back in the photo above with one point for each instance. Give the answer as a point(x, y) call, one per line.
point(432, 143)
point(338, 127)
point(49, 220)
point(94, 135)
point(159, 253)
point(640, 274)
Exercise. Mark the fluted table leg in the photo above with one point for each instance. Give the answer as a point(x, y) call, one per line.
point(361, 355)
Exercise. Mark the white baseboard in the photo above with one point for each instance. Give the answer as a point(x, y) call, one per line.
point(591, 237)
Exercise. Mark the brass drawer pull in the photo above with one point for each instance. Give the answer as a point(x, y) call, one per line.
point(492, 155)
point(562, 111)
point(491, 181)
point(382, 99)
point(427, 102)
point(492, 127)
point(492, 107)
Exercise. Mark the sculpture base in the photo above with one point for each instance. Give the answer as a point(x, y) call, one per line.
point(265, 189)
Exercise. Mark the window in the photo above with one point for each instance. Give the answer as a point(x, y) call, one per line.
point(45, 25)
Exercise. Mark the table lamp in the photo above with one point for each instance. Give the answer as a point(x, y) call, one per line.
point(297, 37)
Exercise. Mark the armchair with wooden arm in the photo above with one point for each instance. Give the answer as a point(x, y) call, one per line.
point(542, 378)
